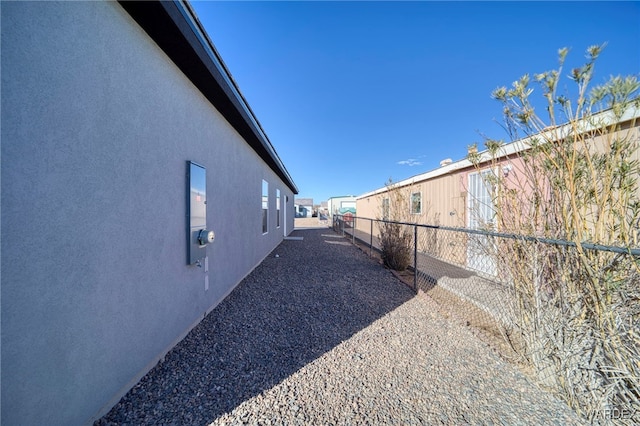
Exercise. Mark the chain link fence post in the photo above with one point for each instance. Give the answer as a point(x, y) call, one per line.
point(415, 258)
point(353, 230)
point(370, 238)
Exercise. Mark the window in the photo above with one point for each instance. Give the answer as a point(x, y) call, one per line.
point(385, 208)
point(278, 208)
point(265, 206)
point(416, 203)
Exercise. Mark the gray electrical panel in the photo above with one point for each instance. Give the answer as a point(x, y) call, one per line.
point(198, 235)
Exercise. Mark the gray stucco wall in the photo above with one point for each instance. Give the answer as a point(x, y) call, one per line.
point(97, 126)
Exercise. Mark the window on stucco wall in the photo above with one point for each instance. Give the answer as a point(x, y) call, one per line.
point(277, 208)
point(265, 206)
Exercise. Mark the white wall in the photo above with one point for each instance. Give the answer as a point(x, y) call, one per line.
point(97, 127)
point(336, 203)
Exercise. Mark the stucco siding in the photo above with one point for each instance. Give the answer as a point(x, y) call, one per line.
point(97, 127)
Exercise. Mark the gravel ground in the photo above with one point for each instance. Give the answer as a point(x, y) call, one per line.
point(322, 334)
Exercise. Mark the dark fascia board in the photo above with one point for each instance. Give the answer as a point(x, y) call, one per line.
point(173, 26)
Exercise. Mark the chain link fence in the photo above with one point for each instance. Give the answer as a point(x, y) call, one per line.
point(568, 313)
point(452, 266)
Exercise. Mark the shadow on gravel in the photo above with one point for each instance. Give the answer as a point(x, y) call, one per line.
point(289, 311)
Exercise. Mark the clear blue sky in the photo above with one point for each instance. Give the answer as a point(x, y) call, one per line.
point(354, 93)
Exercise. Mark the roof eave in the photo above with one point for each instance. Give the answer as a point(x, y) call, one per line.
point(515, 147)
point(175, 28)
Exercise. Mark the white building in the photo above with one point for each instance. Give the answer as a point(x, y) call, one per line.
point(304, 207)
point(341, 205)
point(119, 120)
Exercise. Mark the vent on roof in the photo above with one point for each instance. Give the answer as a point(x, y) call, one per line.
point(446, 162)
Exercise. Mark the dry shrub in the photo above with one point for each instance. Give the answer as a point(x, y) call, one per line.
point(396, 243)
point(396, 239)
point(575, 187)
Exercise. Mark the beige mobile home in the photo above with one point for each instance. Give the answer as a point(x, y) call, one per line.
point(456, 193)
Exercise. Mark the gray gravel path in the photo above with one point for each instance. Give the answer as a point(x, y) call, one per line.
point(324, 335)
